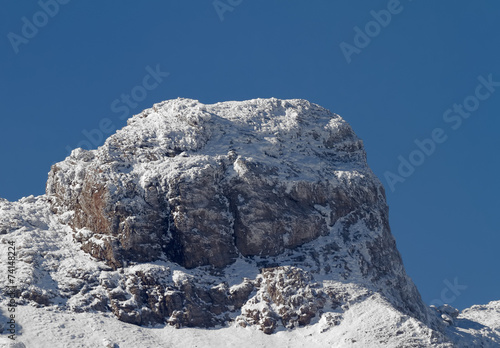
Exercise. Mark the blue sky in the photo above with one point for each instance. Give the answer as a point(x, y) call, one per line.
point(417, 81)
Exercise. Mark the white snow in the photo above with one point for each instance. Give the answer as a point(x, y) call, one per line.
point(369, 323)
point(51, 262)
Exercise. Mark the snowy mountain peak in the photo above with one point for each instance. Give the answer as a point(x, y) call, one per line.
point(204, 183)
point(260, 214)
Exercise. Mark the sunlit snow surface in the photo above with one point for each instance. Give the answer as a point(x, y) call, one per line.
point(50, 262)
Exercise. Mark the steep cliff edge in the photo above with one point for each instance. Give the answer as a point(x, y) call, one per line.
point(258, 213)
point(201, 185)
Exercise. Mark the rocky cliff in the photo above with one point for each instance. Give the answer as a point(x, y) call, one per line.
point(205, 184)
point(261, 213)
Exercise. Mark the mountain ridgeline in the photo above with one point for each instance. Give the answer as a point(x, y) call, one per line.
point(260, 213)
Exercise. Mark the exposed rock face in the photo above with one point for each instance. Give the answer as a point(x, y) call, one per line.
point(203, 184)
point(263, 213)
point(143, 297)
point(289, 296)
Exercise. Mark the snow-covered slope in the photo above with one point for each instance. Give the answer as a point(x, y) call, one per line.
point(259, 221)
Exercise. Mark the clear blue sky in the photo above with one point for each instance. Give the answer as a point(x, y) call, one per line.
point(72, 67)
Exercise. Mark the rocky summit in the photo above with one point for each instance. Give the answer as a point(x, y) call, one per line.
point(256, 214)
point(205, 184)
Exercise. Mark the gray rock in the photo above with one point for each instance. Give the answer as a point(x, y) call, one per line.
point(290, 296)
point(225, 194)
point(449, 310)
point(281, 185)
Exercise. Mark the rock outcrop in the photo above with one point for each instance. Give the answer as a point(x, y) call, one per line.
point(261, 213)
point(203, 185)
